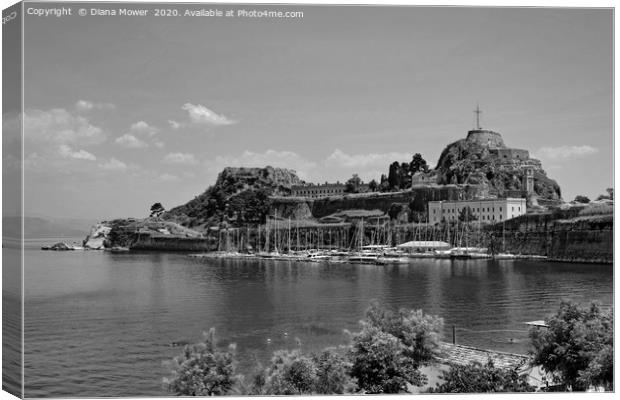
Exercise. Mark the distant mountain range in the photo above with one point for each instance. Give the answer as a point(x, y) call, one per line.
point(47, 227)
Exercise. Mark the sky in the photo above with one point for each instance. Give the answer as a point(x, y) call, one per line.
point(122, 112)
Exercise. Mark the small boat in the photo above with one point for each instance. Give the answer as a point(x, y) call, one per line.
point(363, 258)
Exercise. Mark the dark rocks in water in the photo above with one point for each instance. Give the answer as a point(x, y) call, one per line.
point(60, 246)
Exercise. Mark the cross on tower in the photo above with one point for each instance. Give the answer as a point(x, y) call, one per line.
point(478, 112)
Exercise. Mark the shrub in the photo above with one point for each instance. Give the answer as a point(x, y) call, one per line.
point(203, 370)
point(478, 378)
point(577, 346)
point(387, 353)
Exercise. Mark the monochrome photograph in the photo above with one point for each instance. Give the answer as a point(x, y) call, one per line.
point(229, 199)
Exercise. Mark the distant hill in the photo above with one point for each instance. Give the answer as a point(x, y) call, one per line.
point(240, 196)
point(47, 227)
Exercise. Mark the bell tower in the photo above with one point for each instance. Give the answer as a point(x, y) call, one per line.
point(528, 179)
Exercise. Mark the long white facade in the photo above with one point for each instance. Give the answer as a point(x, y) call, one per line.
point(484, 210)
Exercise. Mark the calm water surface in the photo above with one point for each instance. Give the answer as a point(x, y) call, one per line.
point(101, 324)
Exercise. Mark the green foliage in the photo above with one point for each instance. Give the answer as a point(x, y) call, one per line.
point(203, 370)
point(581, 199)
point(353, 184)
point(157, 210)
point(387, 353)
point(399, 176)
point(290, 373)
point(418, 164)
point(467, 215)
point(384, 185)
point(396, 209)
point(478, 378)
point(238, 197)
point(333, 373)
point(373, 186)
point(608, 196)
point(380, 364)
point(577, 346)
point(420, 333)
point(597, 209)
point(395, 180)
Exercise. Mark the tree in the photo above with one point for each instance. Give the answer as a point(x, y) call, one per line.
point(380, 364)
point(419, 332)
point(290, 372)
point(418, 164)
point(384, 186)
point(391, 347)
point(581, 199)
point(333, 373)
point(373, 186)
point(157, 210)
point(467, 215)
point(353, 184)
point(395, 176)
point(608, 196)
point(405, 175)
point(203, 370)
point(577, 346)
point(478, 378)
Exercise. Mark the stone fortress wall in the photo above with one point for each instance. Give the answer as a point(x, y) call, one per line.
point(485, 137)
point(510, 154)
point(497, 148)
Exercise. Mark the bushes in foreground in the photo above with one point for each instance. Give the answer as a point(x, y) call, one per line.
point(386, 355)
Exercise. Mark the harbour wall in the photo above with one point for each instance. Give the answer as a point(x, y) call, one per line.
point(172, 243)
point(577, 239)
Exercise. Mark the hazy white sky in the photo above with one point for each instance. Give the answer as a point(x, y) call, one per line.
point(122, 112)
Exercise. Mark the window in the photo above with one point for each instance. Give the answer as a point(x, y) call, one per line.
point(500, 216)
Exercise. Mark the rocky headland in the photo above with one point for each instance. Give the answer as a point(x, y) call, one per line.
point(478, 166)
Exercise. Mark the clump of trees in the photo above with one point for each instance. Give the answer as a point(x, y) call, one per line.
point(157, 210)
point(353, 184)
point(467, 215)
point(608, 196)
point(203, 369)
point(581, 199)
point(481, 378)
point(391, 347)
point(400, 174)
point(577, 347)
point(387, 354)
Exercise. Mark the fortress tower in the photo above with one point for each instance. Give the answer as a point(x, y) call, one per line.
point(484, 137)
point(493, 141)
point(528, 179)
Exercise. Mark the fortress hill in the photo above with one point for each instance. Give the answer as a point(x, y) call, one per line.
point(495, 143)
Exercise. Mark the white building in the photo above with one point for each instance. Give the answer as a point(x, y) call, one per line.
point(484, 210)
